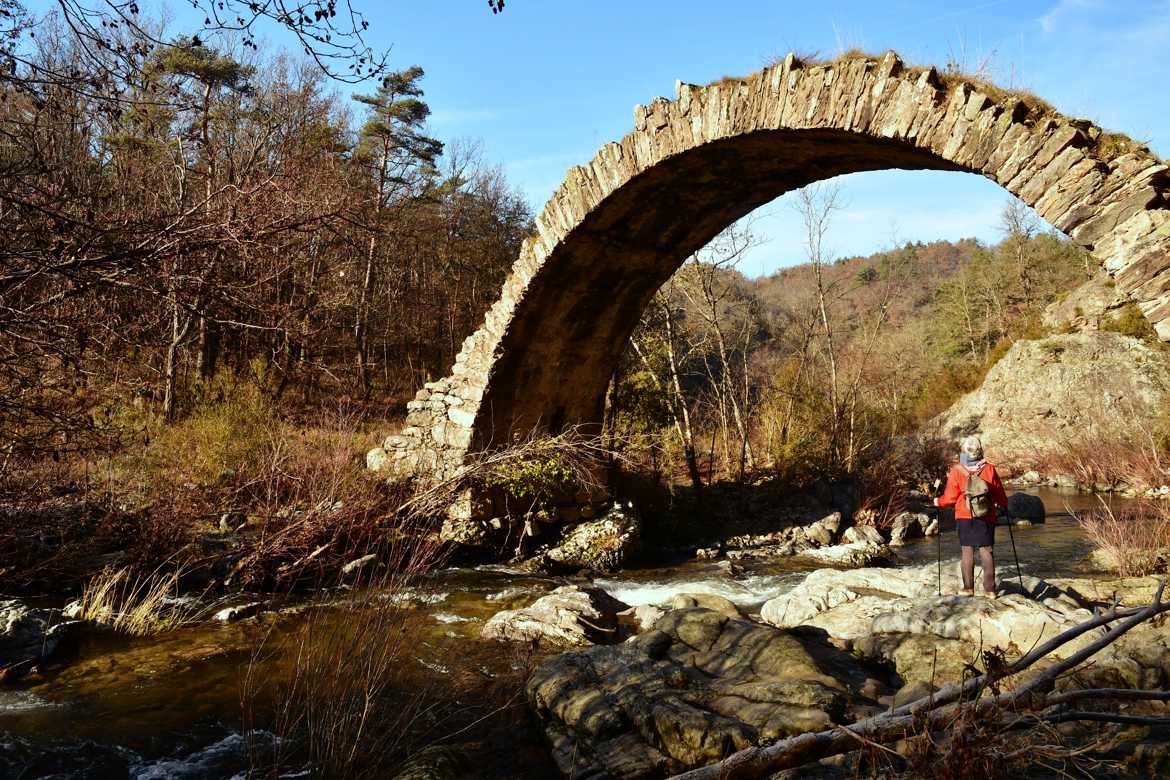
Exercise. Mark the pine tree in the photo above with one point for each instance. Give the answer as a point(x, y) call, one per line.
point(401, 157)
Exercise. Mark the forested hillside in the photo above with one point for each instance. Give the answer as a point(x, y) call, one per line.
point(818, 367)
point(230, 216)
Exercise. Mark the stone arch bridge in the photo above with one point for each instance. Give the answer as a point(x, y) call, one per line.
point(620, 225)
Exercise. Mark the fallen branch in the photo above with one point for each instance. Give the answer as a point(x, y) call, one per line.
point(939, 709)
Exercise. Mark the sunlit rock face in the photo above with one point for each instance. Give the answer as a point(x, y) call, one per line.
point(620, 225)
point(1061, 390)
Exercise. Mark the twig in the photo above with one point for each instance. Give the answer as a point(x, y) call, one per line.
point(936, 710)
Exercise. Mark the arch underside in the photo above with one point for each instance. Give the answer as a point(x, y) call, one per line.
point(559, 353)
point(620, 226)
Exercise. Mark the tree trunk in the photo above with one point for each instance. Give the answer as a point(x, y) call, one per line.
point(361, 319)
point(179, 327)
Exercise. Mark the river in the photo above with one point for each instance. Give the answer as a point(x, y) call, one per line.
point(170, 706)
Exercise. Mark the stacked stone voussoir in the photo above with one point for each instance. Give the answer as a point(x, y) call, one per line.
point(1107, 193)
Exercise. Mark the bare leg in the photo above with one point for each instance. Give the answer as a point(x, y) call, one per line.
point(968, 567)
point(987, 562)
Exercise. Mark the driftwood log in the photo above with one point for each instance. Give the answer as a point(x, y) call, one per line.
point(1032, 699)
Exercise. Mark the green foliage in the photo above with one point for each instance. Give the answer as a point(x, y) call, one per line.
point(867, 275)
point(204, 64)
point(532, 479)
point(392, 134)
point(1129, 321)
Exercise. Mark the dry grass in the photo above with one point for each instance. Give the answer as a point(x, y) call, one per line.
point(533, 468)
point(1136, 459)
point(136, 605)
point(329, 705)
point(1135, 542)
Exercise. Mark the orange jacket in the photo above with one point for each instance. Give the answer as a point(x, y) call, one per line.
point(954, 494)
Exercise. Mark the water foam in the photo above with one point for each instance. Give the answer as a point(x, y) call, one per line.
point(744, 591)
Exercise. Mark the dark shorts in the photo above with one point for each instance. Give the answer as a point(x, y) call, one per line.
point(976, 533)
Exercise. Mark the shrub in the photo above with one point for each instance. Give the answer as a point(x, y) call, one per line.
point(218, 444)
point(331, 699)
point(344, 693)
point(1135, 542)
point(889, 476)
point(1136, 458)
point(313, 507)
point(1129, 321)
point(533, 479)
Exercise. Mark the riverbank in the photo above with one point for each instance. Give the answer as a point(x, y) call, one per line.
point(113, 693)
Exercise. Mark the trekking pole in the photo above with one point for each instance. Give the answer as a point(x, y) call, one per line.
point(1012, 536)
point(938, 535)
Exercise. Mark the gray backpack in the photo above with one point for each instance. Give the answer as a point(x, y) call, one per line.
point(978, 494)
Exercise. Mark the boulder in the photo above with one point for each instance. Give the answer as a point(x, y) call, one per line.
point(1141, 658)
point(570, 615)
point(851, 555)
point(824, 531)
point(240, 612)
point(600, 545)
point(696, 687)
point(863, 546)
point(27, 636)
point(465, 532)
point(864, 534)
point(646, 615)
point(710, 601)
point(1024, 506)
point(911, 525)
point(377, 459)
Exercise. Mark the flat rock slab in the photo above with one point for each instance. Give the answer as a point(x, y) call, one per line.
point(896, 615)
point(697, 687)
point(570, 615)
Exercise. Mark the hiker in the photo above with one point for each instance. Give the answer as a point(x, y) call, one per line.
point(975, 490)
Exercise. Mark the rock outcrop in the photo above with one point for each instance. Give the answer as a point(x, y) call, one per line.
point(830, 541)
point(1086, 307)
point(912, 525)
point(897, 616)
point(570, 615)
point(1063, 388)
point(600, 545)
point(695, 688)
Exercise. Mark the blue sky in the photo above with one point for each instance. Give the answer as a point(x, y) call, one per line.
point(545, 83)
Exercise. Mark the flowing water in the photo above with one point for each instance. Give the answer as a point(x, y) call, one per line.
point(170, 706)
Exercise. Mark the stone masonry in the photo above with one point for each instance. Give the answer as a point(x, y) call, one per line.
point(620, 225)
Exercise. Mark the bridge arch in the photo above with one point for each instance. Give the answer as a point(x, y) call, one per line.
point(618, 227)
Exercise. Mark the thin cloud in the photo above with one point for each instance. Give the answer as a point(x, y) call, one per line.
point(1056, 15)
